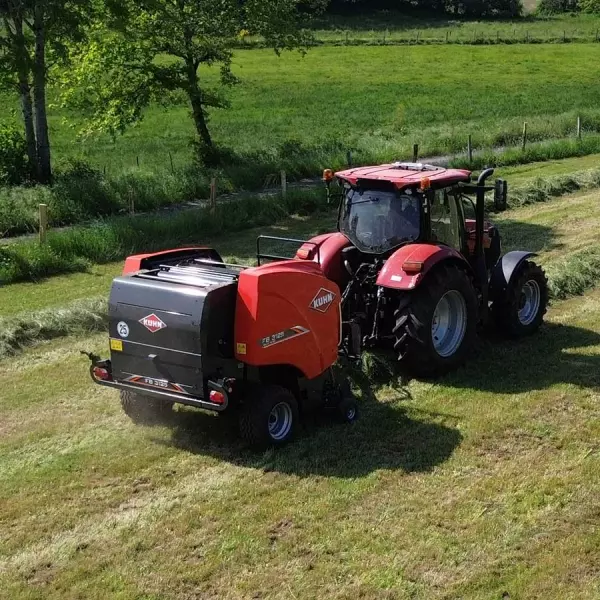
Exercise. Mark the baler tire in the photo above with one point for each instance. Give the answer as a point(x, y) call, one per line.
point(144, 410)
point(257, 425)
point(506, 311)
point(414, 322)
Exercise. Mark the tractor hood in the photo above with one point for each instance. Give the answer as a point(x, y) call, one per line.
point(403, 175)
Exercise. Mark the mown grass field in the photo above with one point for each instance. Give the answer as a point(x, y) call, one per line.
point(483, 485)
point(377, 101)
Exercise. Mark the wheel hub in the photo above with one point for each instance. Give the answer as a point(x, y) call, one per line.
point(529, 302)
point(449, 323)
point(280, 421)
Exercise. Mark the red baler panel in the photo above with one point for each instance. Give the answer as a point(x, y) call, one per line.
point(288, 313)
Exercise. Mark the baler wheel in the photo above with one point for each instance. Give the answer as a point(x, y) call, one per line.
point(436, 323)
point(144, 410)
point(269, 417)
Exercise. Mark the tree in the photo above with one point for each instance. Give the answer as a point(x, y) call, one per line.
point(31, 32)
point(152, 50)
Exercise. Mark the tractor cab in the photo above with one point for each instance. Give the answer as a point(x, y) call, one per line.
point(384, 208)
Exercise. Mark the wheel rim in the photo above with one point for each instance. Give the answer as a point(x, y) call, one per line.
point(350, 413)
point(449, 323)
point(529, 302)
point(280, 421)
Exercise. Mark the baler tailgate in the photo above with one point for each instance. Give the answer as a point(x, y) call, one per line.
point(165, 325)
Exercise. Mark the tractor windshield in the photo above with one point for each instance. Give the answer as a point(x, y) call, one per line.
point(377, 221)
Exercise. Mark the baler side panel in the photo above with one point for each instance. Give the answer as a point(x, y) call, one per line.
point(288, 313)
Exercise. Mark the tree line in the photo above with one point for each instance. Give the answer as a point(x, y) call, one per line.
point(459, 8)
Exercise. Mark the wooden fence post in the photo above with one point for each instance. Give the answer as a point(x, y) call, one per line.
point(415, 153)
point(172, 165)
point(349, 158)
point(213, 193)
point(447, 35)
point(283, 184)
point(43, 222)
point(131, 204)
point(578, 128)
point(524, 135)
point(470, 148)
point(137, 160)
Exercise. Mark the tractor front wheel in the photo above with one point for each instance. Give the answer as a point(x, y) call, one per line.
point(269, 417)
point(436, 324)
point(521, 311)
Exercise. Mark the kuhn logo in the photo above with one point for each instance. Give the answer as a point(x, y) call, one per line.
point(152, 323)
point(323, 300)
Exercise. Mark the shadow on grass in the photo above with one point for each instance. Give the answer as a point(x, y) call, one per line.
point(521, 235)
point(555, 355)
point(383, 438)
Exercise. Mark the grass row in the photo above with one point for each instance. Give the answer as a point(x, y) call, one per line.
point(76, 249)
point(559, 228)
point(574, 275)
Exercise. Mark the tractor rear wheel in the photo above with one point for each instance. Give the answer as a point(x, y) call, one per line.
point(525, 303)
point(436, 324)
point(269, 417)
point(144, 409)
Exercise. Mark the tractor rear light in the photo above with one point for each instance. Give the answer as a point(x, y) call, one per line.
point(217, 397)
point(425, 184)
point(412, 267)
point(101, 373)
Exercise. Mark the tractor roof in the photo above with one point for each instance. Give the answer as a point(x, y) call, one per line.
point(403, 175)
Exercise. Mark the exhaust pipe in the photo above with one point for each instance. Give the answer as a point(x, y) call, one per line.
point(486, 174)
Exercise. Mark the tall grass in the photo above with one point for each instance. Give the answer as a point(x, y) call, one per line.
point(117, 237)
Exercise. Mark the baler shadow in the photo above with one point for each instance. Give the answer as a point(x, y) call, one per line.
point(383, 438)
point(556, 354)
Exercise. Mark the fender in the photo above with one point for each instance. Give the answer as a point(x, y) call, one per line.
point(406, 268)
point(504, 272)
point(138, 262)
point(330, 246)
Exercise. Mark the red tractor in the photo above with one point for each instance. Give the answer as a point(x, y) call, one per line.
point(420, 267)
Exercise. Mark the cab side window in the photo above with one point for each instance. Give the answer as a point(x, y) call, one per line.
point(445, 220)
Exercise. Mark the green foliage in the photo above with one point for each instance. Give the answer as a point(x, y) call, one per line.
point(151, 51)
point(115, 238)
point(589, 6)
point(14, 168)
point(551, 7)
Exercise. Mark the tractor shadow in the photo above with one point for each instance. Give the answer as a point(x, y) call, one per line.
point(557, 354)
point(384, 437)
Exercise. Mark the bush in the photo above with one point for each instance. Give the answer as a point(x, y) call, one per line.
point(14, 167)
point(552, 7)
point(589, 6)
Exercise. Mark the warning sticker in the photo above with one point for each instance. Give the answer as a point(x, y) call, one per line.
point(116, 345)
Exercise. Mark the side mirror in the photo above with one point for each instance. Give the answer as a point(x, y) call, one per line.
point(501, 195)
